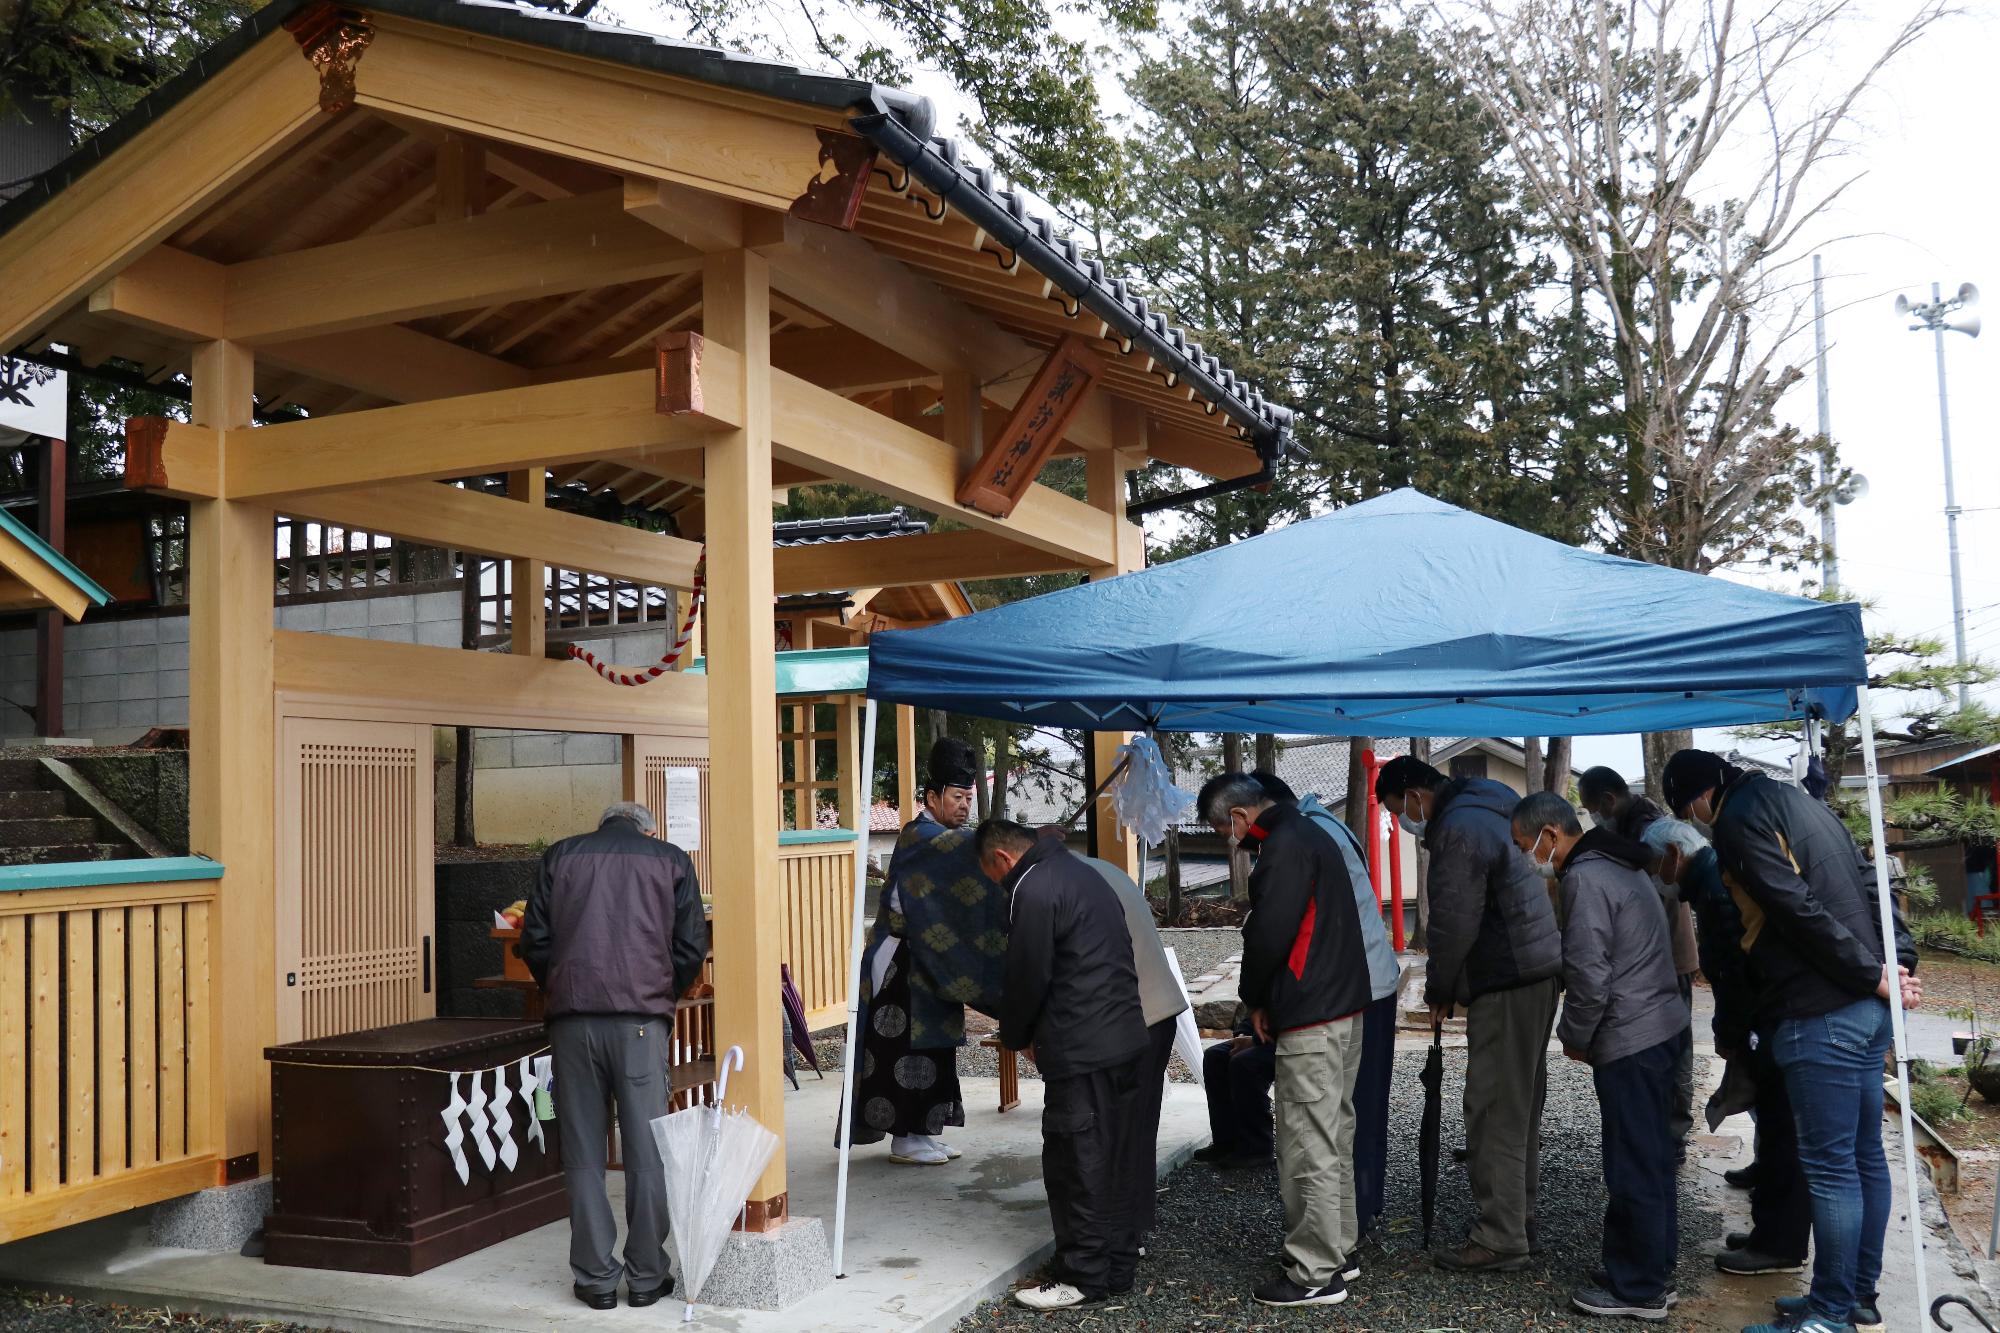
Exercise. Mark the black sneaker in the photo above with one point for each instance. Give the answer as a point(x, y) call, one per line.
point(1735, 1240)
point(1865, 1317)
point(1742, 1178)
point(1282, 1291)
point(1602, 1279)
point(1596, 1300)
point(1750, 1263)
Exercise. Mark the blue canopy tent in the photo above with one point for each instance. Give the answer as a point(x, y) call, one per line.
point(1406, 616)
point(1402, 616)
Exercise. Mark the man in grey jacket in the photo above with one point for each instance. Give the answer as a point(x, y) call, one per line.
point(614, 933)
point(1622, 1016)
point(1495, 947)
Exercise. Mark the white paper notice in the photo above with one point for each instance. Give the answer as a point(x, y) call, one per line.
point(684, 808)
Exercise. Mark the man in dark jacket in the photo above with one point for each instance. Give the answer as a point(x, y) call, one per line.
point(1622, 1016)
point(1812, 932)
point(1304, 978)
point(1613, 805)
point(1780, 1205)
point(614, 932)
point(1494, 947)
point(1070, 1000)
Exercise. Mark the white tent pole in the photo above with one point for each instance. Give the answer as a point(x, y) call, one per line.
point(854, 983)
point(1887, 908)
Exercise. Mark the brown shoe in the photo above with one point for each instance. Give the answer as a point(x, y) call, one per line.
point(1473, 1258)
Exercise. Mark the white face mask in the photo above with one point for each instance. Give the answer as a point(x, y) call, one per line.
point(1548, 867)
point(1413, 827)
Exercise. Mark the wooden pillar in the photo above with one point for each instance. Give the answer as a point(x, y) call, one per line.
point(51, 507)
point(1105, 483)
point(528, 607)
point(743, 713)
point(855, 785)
point(906, 763)
point(232, 748)
point(964, 418)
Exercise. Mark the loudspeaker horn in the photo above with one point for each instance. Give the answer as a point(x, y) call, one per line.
point(1902, 305)
point(1965, 321)
point(1854, 488)
point(1968, 294)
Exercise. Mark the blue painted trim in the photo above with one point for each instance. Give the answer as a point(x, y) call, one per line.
point(82, 581)
point(800, 837)
point(90, 874)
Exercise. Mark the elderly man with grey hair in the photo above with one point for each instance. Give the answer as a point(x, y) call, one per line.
point(614, 934)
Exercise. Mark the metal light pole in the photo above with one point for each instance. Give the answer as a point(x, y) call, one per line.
point(1937, 316)
point(1829, 563)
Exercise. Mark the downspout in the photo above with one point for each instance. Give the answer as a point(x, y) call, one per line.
point(1266, 473)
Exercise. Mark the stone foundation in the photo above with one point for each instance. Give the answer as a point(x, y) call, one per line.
point(770, 1270)
point(213, 1219)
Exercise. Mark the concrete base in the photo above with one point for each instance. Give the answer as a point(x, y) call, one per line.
point(23, 742)
point(213, 1219)
point(770, 1270)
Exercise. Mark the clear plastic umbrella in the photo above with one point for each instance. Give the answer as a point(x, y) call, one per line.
point(712, 1159)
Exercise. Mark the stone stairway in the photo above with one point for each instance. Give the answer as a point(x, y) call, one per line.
point(41, 821)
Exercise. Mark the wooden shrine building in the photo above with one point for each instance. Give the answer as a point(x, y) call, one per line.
point(408, 243)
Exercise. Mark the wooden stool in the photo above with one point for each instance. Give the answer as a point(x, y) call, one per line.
point(1010, 1074)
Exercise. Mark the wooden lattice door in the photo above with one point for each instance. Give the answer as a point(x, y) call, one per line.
point(356, 908)
point(669, 776)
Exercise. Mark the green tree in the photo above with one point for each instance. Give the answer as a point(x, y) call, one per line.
point(91, 59)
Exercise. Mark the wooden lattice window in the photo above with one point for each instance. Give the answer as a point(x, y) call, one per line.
point(580, 605)
point(809, 775)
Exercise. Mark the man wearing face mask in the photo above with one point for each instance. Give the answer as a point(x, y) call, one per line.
point(1494, 947)
point(1305, 981)
point(1811, 931)
point(1622, 1016)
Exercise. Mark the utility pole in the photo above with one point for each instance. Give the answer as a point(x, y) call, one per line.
point(1829, 562)
point(1940, 315)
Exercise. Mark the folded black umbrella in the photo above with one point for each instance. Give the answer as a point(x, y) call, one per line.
point(795, 1018)
point(1427, 1131)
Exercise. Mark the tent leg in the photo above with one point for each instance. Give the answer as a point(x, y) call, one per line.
point(1886, 904)
point(854, 944)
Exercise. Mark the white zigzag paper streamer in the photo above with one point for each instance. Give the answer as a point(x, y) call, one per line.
point(528, 1085)
point(475, 1115)
point(503, 1120)
point(454, 1139)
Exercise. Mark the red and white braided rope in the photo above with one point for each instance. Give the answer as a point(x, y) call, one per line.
point(646, 675)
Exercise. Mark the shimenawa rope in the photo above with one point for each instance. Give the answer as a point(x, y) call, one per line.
point(646, 675)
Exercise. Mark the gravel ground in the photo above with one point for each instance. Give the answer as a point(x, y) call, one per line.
point(1199, 951)
point(1218, 1231)
point(35, 1312)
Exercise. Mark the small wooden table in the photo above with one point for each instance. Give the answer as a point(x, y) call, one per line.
point(1010, 1073)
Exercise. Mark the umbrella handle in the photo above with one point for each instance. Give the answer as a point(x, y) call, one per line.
point(732, 1056)
point(1937, 1311)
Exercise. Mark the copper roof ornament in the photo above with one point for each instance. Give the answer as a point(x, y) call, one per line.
point(332, 37)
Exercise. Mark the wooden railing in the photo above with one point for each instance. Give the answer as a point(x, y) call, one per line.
point(107, 1099)
point(819, 906)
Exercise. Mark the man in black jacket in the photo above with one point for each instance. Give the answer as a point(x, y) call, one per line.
point(1071, 1002)
point(1304, 978)
point(1812, 932)
point(614, 932)
point(1494, 947)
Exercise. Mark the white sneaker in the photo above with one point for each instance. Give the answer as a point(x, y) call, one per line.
point(916, 1150)
point(1051, 1296)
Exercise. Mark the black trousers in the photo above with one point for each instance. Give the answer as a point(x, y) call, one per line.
point(1088, 1122)
point(1238, 1084)
point(1143, 1143)
point(1635, 1097)
point(1371, 1109)
point(1780, 1202)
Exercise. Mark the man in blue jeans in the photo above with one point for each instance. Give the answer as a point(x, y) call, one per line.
point(1811, 931)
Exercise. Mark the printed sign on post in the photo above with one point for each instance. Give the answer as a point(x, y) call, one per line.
point(684, 808)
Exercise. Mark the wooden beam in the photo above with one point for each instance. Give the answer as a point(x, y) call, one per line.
point(897, 562)
point(850, 282)
point(336, 676)
point(630, 122)
point(743, 773)
point(396, 363)
point(536, 250)
point(542, 424)
point(1010, 464)
point(1214, 456)
point(1104, 481)
point(166, 291)
point(708, 222)
point(825, 433)
point(527, 600)
point(844, 361)
point(451, 516)
point(225, 131)
point(36, 583)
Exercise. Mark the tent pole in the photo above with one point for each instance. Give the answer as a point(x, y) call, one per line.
point(1887, 909)
point(846, 1136)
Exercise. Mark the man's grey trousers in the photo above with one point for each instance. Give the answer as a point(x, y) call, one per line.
point(1506, 1078)
point(601, 1060)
